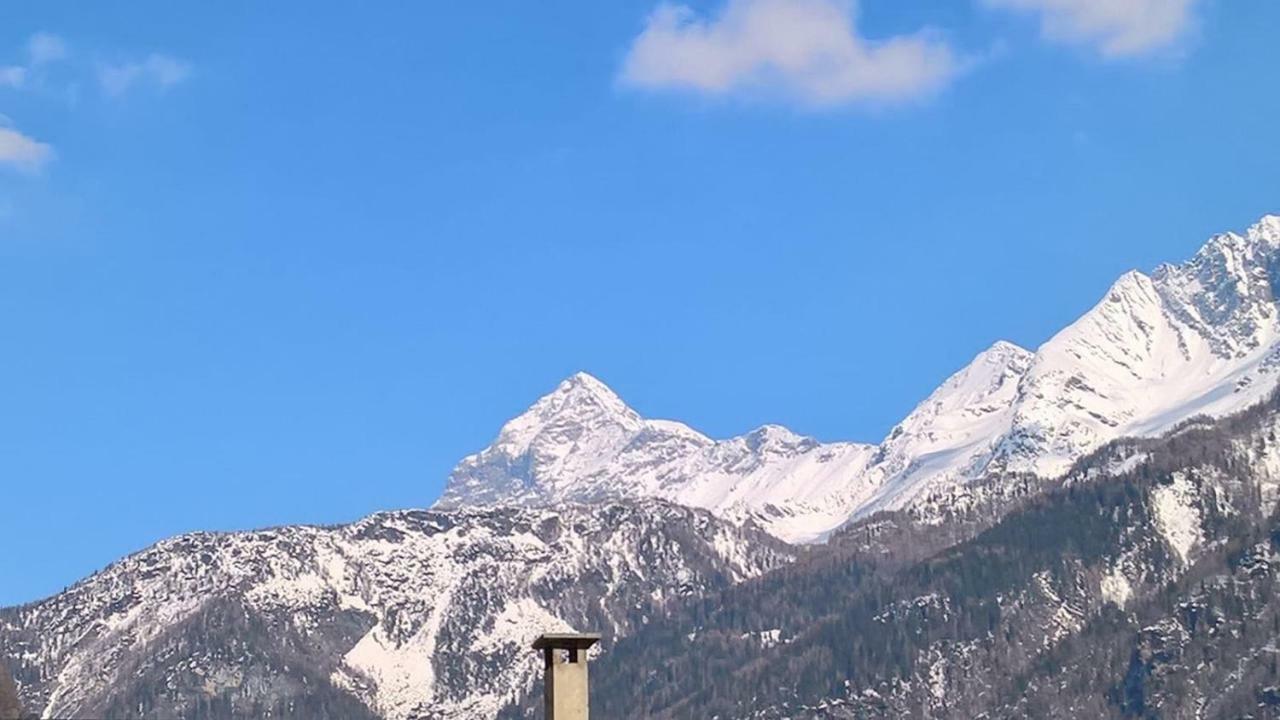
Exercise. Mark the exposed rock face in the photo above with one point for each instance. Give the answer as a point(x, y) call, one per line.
point(10, 706)
point(404, 614)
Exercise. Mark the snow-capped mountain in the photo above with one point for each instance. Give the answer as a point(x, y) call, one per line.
point(583, 514)
point(1196, 338)
point(1143, 584)
point(581, 442)
point(402, 614)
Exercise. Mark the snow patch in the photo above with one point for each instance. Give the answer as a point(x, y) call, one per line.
point(1177, 516)
point(1116, 588)
point(403, 673)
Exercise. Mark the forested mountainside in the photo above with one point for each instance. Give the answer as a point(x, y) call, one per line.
point(1143, 585)
point(403, 614)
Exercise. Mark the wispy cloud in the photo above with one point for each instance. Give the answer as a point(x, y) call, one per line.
point(809, 51)
point(158, 70)
point(1117, 28)
point(23, 153)
point(44, 48)
point(12, 76)
point(50, 70)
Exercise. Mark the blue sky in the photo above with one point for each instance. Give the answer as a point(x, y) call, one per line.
point(269, 263)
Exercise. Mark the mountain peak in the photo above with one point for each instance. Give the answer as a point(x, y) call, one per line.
point(579, 400)
point(1131, 281)
point(569, 433)
point(998, 366)
point(1225, 292)
point(989, 368)
point(1266, 231)
point(584, 389)
point(1003, 349)
point(583, 379)
point(777, 439)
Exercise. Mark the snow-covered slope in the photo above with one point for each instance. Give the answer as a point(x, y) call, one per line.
point(582, 443)
point(403, 614)
point(1196, 338)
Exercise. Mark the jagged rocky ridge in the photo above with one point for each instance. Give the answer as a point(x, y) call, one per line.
point(1191, 339)
point(424, 614)
point(1142, 585)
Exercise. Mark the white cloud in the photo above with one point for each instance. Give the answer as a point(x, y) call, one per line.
point(44, 48)
point(21, 152)
point(159, 70)
point(806, 50)
point(1118, 28)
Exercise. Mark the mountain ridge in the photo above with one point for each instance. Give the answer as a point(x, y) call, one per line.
point(585, 515)
point(401, 614)
point(1200, 337)
point(1142, 584)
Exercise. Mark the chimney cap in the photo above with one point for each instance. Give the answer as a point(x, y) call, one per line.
point(566, 641)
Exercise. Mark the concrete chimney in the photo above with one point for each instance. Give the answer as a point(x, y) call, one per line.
point(565, 673)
